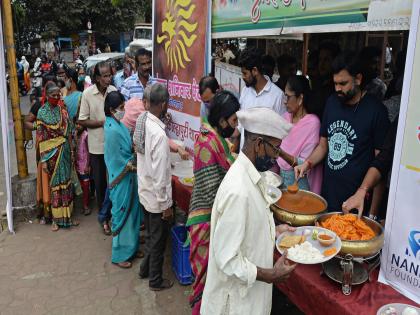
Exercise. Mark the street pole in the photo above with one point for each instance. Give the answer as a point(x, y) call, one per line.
point(22, 162)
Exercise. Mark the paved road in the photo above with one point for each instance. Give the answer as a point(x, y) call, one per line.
point(70, 272)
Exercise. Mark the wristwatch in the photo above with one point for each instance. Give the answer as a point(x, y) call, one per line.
point(373, 217)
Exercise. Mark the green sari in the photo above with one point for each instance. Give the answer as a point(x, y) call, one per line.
point(53, 133)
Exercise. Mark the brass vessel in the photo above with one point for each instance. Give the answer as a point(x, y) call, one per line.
point(294, 218)
point(366, 248)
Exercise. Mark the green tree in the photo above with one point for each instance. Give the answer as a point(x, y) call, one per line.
point(66, 17)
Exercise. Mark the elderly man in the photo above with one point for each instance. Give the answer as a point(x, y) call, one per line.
point(242, 238)
point(92, 117)
point(155, 191)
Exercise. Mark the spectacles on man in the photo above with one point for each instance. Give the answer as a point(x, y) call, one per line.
point(277, 151)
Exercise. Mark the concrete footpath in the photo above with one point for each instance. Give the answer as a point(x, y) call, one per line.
point(70, 272)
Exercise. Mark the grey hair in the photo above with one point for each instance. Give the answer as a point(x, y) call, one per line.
point(146, 93)
point(158, 94)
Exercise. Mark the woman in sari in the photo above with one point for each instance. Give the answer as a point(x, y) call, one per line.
point(72, 99)
point(122, 182)
point(54, 138)
point(212, 159)
point(303, 138)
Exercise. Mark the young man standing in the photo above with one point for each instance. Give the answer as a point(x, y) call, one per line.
point(352, 132)
point(155, 191)
point(92, 117)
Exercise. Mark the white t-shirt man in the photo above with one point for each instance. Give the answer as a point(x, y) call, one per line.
point(270, 96)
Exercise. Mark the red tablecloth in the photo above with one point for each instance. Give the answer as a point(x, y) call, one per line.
point(181, 194)
point(314, 294)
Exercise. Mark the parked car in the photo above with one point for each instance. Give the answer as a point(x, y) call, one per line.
point(115, 57)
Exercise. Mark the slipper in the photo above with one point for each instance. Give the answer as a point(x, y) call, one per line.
point(54, 227)
point(75, 223)
point(106, 229)
point(124, 264)
point(87, 211)
point(166, 284)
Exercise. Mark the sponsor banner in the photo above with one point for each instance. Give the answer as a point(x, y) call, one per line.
point(400, 265)
point(234, 18)
point(180, 59)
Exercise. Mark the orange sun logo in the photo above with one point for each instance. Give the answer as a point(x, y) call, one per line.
point(178, 32)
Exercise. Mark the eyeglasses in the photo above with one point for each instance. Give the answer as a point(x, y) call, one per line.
point(276, 150)
point(287, 97)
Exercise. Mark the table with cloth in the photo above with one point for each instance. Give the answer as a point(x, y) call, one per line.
point(312, 292)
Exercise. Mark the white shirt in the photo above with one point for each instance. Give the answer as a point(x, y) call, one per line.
point(154, 168)
point(92, 107)
point(270, 96)
point(242, 237)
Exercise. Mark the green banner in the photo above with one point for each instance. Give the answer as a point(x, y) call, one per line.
point(272, 17)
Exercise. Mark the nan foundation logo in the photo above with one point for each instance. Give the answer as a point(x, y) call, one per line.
point(413, 248)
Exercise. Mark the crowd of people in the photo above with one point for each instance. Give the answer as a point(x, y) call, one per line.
point(329, 131)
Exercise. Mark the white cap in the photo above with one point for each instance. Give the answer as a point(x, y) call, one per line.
point(264, 121)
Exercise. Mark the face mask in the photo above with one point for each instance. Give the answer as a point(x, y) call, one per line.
point(81, 78)
point(263, 164)
point(68, 84)
point(53, 101)
point(119, 114)
point(227, 131)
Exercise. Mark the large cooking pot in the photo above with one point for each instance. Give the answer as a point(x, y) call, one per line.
point(359, 248)
point(302, 216)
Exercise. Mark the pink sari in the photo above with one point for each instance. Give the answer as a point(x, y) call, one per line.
point(300, 142)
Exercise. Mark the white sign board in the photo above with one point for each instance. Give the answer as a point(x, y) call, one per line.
point(400, 266)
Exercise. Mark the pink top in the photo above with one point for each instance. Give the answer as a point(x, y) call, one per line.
point(133, 108)
point(300, 142)
point(82, 161)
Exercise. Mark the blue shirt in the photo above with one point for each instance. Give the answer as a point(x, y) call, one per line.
point(132, 87)
point(119, 80)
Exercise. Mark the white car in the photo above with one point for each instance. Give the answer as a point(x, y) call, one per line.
point(116, 57)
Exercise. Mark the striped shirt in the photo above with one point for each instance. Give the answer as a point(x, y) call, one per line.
point(133, 87)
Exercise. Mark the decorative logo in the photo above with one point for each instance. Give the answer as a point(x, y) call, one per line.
point(341, 134)
point(175, 28)
point(414, 242)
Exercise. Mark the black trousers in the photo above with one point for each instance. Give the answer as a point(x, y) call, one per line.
point(156, 234)
point(98, 169)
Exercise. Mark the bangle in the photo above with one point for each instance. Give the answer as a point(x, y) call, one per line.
point(309, 164)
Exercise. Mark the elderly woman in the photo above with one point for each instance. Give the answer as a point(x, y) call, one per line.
point(304, 136)
point(122, 180)
point(54, 138)
point(212, 160)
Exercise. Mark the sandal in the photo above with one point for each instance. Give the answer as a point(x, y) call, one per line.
point(166, 284)
point(54, 227)
point(106, 229)
point(87, 211)
point(140, 254)
point(124, 264)
point(75, 223)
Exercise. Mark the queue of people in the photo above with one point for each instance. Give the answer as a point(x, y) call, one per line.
point(330, 141)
